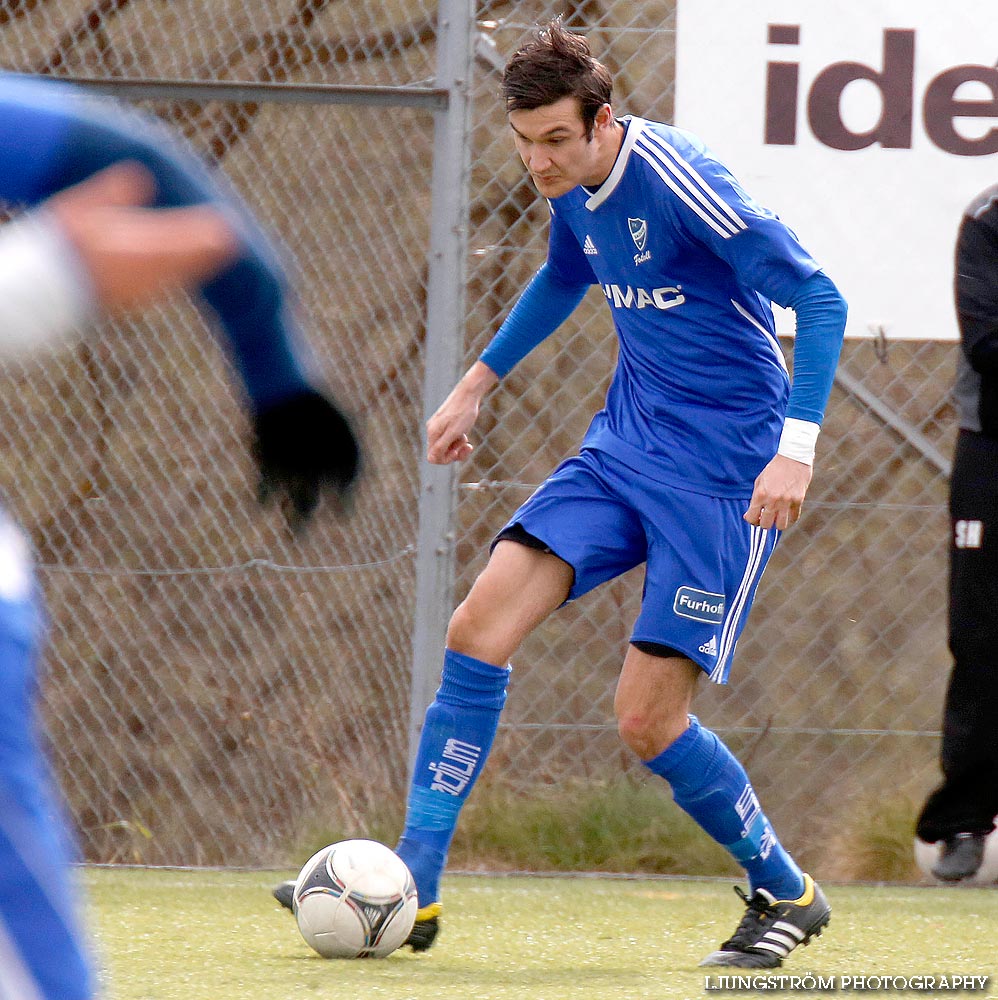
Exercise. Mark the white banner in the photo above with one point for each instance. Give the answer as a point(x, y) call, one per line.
point(867, 125)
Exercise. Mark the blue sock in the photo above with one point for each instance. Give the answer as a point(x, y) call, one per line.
point(457, 736)
point(709, 784)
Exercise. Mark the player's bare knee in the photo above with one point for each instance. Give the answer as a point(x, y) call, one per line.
point(476, 630)
point(464, 628)
point(648, 733)
point(639, 732)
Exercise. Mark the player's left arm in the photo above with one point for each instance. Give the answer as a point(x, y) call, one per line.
point(767, 257)
point(780, 488)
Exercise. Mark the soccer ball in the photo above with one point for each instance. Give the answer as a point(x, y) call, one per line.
point(355, 899)
point(926, 855)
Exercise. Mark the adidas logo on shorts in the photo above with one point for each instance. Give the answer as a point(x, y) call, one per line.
point(709, 647)
point(589, 248)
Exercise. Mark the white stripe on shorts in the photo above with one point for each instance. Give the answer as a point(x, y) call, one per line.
point(753, 569)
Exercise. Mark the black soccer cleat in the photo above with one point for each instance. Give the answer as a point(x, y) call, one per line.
point(426, 928)
point(961, 857)
point(772, 928)
point(284, 893)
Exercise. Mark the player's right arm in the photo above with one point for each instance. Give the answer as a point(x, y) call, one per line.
point(547, 301)
point(544, 305)
point(448, 429)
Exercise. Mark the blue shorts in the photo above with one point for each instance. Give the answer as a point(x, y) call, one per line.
point(703, 561)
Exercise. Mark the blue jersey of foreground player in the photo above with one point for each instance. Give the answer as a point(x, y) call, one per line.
point(688, 263)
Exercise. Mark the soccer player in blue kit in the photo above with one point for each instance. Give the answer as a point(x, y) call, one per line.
point(701, 455)
point(87, 172)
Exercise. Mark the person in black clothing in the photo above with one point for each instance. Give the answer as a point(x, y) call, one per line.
point(961, 811)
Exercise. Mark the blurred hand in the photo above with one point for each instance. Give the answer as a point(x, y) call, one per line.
point(133, 253)
point(305, 448)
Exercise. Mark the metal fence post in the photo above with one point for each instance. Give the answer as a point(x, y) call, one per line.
point(444, 350)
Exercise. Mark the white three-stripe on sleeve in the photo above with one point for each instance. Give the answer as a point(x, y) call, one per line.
point(688, 185)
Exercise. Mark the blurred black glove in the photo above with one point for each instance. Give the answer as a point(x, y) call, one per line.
point(304, 446)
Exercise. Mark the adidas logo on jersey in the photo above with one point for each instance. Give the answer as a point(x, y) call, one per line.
point(710, 646)
point(589, 248)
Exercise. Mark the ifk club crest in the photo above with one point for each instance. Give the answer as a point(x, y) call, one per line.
point(639, 232)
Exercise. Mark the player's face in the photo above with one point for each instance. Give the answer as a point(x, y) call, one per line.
point(553, 145)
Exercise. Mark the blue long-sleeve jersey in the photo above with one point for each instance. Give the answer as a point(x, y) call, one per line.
point(52, 136)
point(689, 265)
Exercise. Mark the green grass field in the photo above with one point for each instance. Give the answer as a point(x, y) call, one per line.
point(199, 935)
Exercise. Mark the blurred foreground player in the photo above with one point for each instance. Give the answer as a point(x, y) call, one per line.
point(700, 457)
point(960, 812)
point(117, 214)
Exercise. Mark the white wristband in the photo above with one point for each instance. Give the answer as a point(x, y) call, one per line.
point(798, 440)
point(45, 292)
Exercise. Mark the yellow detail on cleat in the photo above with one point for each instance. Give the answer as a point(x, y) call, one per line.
point(428, 912)
point(806, 897)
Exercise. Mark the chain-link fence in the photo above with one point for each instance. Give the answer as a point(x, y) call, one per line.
point(217, 687)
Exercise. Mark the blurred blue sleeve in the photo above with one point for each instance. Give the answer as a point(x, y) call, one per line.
point(51, 137)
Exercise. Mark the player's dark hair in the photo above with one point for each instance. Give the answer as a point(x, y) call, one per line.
point(554, 63)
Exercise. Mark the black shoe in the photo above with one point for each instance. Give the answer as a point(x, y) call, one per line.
point(772, 928)
point(425, 929)
point(961, 857)
point(284, 893)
